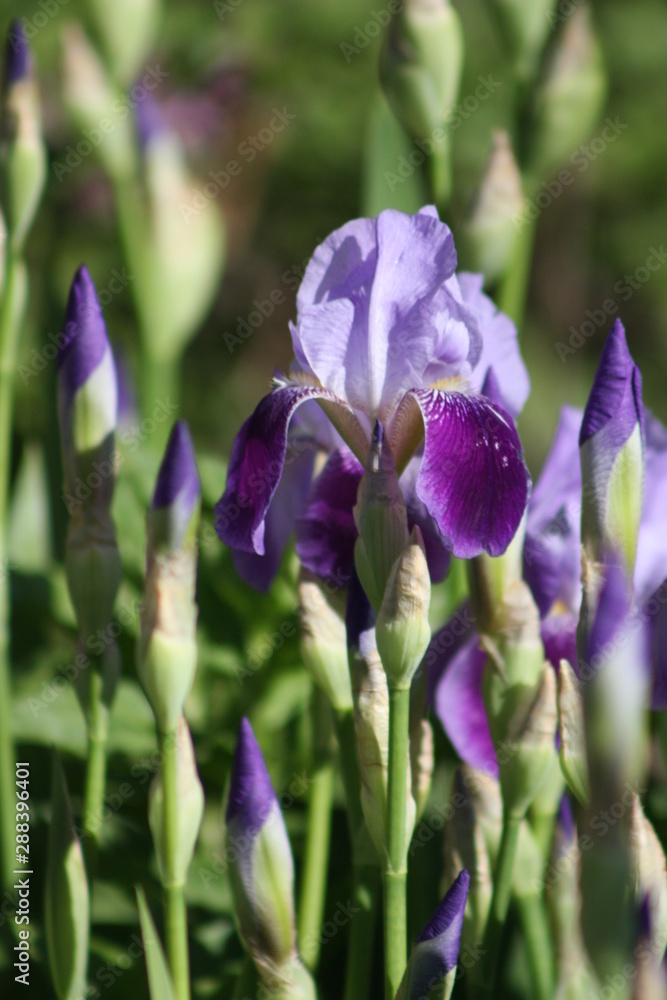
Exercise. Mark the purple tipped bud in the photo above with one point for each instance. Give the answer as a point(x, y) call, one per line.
point(84, 340)
point(251, 793)
point(611, 444)
point(435, 954)
point(177, 491)
point(18, 61)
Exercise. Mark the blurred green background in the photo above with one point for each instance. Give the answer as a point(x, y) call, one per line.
point(229, 68)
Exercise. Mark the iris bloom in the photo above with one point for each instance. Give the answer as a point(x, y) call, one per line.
point(385, 331)
point(552, 554)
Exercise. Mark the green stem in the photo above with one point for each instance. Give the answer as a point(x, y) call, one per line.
point(542, 825)
point(514, 288)
point(396, 868)
point(315, 865)
point(246, 984)
point(502, 890)
point(10, 324)
point(175, 912)
point(538, 945)
point(96, 767)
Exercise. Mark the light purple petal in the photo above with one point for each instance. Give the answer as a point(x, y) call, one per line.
point(256, 465)
point(654, 614)
point(500, 347)
point(651, 564)
point(83, 341)
point(615, 402)
point(251, 793)
point(459, 704)
point(473, 479)
point(565, 818)
point(373, 309)
point(259, 571)
point(610, 616)
point(325, 530)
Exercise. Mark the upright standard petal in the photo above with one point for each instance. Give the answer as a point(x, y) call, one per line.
point(551, 555)
point(473, 479)
point(256, 465)
point(500, 347)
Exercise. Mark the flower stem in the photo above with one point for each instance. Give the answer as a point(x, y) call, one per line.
point(514, 288)
point(395, 872)
point(96, 766)
point(316, 860)
point(538, 944)
point(10, 323)
point(175, 912)
point(502, 890)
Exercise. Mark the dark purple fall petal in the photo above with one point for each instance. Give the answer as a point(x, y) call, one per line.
point(259, 571)
point(565, 818)
point(83, 341)
point(256, 465)
point(459, 704)
point(17, 54)
point(251, 794)
point(473, 479)
point(325, 531)
point(615, 401)
point(178, 478)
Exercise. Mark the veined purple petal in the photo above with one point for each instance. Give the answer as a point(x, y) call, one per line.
point(436, 950)
point(83, 342)
point(552, 556)
point(251, 793)
point(259, 571)
point(654, 613)
point(438, 554)
point(373, 309)
point(256, 465)
point(459, 704)
point(178, 478)
point(615, 401)
point(651, 564)
point(500, 347)
point(473, 479)
point(325, 531)
point(18, 62)
point(559, 637)
point(610, 616)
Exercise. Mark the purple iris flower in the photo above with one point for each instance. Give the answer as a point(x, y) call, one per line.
point(436, 951)
point(386, 331)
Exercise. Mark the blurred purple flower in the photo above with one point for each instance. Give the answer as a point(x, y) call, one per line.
point(18, 61)
point(384, 331)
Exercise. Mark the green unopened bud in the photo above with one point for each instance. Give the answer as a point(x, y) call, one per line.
point(66, 908)
point(491, 231)
point(496, 586)
point(422, 762)
point(402, 629)
point(324, 644)
point(127, 31)
point(22, 151)
point(90, 98)
point(471, 852)
point(420, 70)
point(571, 97)
point(174, 865)
point(571, 730)
point(381, 520)
point(528, 22)
point(650, 875)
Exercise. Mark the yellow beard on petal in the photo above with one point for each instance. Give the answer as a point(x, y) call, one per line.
point(455, 383)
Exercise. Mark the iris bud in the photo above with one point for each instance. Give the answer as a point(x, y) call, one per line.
point(323, 644)
point(571, 730)
point(528, 22)
point(402, 629)
point(127, 31)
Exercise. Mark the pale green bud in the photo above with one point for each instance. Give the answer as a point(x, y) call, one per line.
point(421, 64)
point(127, 29)
point(93, 569)
point(381, 520)
point(402, 629)
point(324, 643)
point(528, 23)
point(650, 875)
point(66, 907)
point(471, 851)
point(491, 233)
point(190, 794)
point(571, 729)
point(22, 150)
point(571, 98)
point(422, 762)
